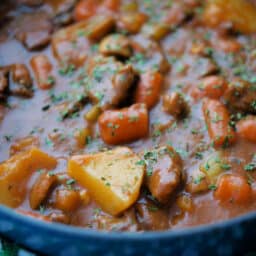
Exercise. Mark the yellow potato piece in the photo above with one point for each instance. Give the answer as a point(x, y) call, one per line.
point(113, 178)
point(241, 13)
point(15, 171)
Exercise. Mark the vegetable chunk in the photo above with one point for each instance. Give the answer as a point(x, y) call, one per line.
point(125, 125)
point(112, 178)
point(15, 172)
point(240, 12)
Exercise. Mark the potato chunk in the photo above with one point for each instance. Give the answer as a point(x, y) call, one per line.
point(113, 178)
point(240, 12)
point(15, 172)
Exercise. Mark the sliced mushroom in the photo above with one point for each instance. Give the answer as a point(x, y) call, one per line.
point(164, 172)
point(116, 45)
point(41, 189)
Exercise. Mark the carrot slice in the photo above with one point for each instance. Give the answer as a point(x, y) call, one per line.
point(85, 9)
point(125, 125)
point(43, 71)
point(217, 121)
point(233, 188)
point(246, 128)
point(148, 89)
point(213, 87)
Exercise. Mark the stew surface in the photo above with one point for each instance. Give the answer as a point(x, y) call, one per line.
point(128, 115)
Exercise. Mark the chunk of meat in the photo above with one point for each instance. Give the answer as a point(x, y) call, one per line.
point(70, 45)
point(125, 125)
point(42, 68)
point(21, 75)
point(33, 30)
point(148, 55)
point(175, 104)
point(21, 84)
point(241, 96)
point(41, 189)
point(116, 45)
point(108, 81)
point(150, 216)
point(164, 172)
point(4, 83)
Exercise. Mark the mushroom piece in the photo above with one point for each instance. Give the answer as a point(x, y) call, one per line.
point(116, 45)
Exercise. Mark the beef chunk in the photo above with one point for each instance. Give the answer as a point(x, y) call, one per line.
point(4, 83)
point(164, 172)
point(148, 55)
point(109, 81)
point(150, 216)
point(21, 84)
point(33, 30)
point(241, 96)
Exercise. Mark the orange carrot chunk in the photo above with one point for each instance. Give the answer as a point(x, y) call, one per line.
point(43, 71)
point(85, 9)
point(246, 128)
point(148, 89)
point(213, 87)
point(112, 5)
point(233, 188)
point(125, 125)
point(217, 121)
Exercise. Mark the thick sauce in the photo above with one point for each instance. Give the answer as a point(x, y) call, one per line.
point(185, 55)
